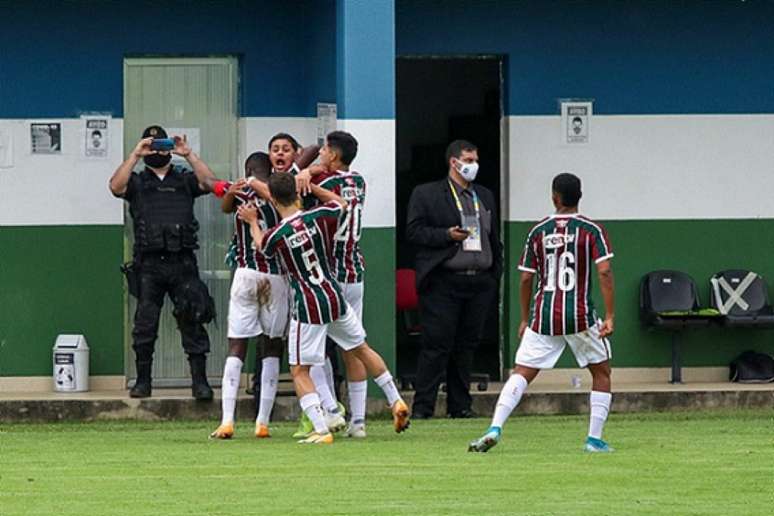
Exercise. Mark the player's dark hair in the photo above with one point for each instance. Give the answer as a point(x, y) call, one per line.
point(455, 148)
point(282, 186)
point(259, 165)
point(285, 136)
point(568, 187)
point(344, 143)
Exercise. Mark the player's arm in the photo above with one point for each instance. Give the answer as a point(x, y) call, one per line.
point(200, 169)
point(606, 285)
point(307, 156)
point(328, 196)
point(525, 296)
point(249, 214)
point(119, 181)
point(261, 188)
point(228, 204)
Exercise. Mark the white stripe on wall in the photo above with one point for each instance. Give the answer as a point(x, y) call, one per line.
point(647, 167)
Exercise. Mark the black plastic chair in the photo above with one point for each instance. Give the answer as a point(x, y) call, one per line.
point(669, 301)
point(742, 298)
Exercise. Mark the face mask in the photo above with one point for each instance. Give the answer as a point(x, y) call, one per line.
point(157, 160)
point(468, 171)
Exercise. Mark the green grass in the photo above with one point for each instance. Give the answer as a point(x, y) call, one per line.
point(695, 463)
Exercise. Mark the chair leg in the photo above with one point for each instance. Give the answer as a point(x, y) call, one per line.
point(677, 374)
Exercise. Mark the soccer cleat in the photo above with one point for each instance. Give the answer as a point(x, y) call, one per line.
point(342, 408)
point(400, 416)
point(316, 438)
point(357, 429)
point(224, 431)
point(305, 427)
point(594, 445)
point(486, 442)
point(335, 422)
point(261, 431)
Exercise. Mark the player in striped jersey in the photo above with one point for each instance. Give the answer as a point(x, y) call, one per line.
point(258, 303)
point(303, 240)
point(562, 250)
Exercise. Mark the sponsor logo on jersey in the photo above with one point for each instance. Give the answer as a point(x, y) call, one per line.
point(556, 240)
point(299, 239)
point(349, 193)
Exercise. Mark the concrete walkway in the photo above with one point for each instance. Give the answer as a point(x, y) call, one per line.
point(167, 404)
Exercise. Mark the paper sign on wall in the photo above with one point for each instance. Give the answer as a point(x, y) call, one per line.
point(96, 132)
point(6, 149)
point(46, 138)
point(576, 120)
point(326, 120)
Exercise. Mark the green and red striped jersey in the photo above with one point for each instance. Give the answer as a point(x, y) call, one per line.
point(561, 250)
point(241, 252)
point(347, 262)
point(303, 243)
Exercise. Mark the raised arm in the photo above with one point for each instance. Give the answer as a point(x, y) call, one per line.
point(228, 204)
point(606, 285)
point(525, 297)
point(249, 214)
point(261, 188)
point(307, 156)
point(327, 196)
point(203, 173)
point(120, 178)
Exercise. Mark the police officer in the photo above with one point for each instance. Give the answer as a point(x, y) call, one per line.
point(161, 199)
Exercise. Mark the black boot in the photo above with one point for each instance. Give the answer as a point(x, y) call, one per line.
point(142, 388)
point(200, 389)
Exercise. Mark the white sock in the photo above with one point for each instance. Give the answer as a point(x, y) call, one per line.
point(269, 377)
point(228, 393)
point(320, 379)
point(310, 403)
point(357, 399)
point(388, 386)
point(600, 407)
point(509, 398)
point(329, 375)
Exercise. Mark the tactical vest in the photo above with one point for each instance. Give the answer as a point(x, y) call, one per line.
point(163, 213)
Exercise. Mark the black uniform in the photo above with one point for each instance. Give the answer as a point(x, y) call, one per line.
point(164, 243)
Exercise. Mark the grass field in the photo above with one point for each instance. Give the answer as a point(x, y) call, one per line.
point(696, 463)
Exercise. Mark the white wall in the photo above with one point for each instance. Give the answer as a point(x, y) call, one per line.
point(648, 167)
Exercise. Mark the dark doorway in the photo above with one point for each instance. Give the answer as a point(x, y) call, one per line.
point(438, 100)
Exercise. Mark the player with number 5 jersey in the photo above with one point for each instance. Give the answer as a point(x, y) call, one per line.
point(562, 250)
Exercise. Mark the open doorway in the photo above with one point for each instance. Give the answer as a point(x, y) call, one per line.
point(438, 100)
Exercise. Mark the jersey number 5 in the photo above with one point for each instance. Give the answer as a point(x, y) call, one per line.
point(566, 277)
point(312, 265)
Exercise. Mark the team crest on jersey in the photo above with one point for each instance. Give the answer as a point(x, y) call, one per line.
point(556, 240)
point(561, 224)
point(299, 239)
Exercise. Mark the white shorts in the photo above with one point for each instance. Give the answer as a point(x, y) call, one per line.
point(353, 294)
point(542, 351)
point(246, 317)
point(306, 342)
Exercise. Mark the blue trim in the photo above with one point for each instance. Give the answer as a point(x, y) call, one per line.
point(365, 51)
point(635, 57)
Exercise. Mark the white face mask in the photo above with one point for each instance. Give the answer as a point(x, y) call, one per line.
point(468, 171)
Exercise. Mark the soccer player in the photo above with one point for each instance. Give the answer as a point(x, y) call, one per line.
point(258, 303)
point(302, 241)
point(347, 265)
point(561, 250)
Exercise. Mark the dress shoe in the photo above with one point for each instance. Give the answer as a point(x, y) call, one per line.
point(421, 415)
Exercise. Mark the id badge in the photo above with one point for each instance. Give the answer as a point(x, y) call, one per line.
point(473, 226)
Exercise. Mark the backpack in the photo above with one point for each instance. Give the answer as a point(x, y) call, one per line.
point(752, 367)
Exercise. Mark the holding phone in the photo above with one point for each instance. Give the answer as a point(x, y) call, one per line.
point(162, 144)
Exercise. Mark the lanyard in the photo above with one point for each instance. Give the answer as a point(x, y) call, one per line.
point(459, 204)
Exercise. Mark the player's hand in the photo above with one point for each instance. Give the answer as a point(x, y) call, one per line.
point(522, 328)
point(457, 234)
point(248, 213)
point(236, 186)
point(607, 328)
point(181, 146)
point(303, 182)
point(143, 148)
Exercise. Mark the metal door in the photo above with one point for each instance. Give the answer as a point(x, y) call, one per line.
point(197, 97)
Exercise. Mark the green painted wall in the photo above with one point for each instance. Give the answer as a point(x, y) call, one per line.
point(60, 279)
point(697, 247)
point(378, 245)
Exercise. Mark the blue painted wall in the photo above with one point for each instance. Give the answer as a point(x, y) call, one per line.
point(61, 58)
point(637, 57)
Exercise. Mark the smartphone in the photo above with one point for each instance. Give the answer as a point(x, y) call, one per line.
point(162, 144)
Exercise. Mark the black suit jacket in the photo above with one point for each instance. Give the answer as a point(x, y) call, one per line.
point(431, 212)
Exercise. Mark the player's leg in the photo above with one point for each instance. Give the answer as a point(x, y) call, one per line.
point(333, 415)
point(593, 352)
point(232, 370)
point(306, 346)
point(273, 313)
point(349, 334)
point(357, 384)
point(535, 352)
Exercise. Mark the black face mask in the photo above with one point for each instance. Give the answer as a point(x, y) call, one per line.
point(157, 160)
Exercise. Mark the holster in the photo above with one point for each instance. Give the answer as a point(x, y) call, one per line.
point(132, 272)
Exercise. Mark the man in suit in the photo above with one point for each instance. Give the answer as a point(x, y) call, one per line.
point(454, 228)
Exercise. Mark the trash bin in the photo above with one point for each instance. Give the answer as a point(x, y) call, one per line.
point(71, 364)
